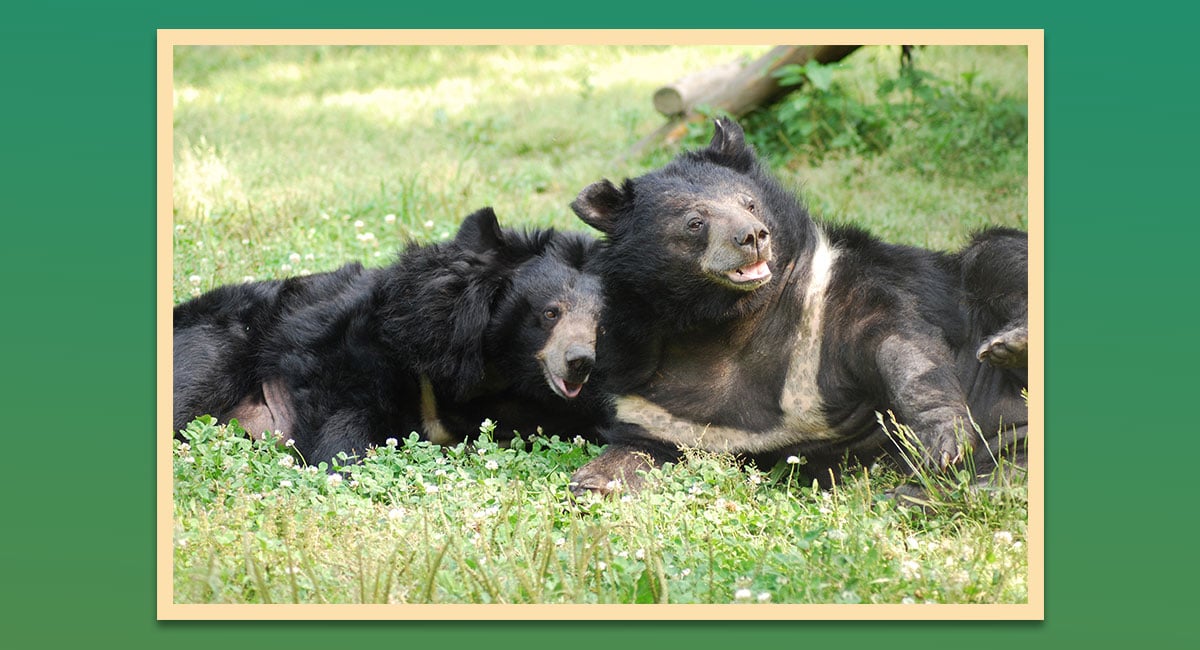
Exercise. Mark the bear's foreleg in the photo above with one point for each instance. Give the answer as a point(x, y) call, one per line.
point(918, 372)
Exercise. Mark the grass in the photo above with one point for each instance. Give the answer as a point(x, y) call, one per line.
point(415, 523)
point(299, 159)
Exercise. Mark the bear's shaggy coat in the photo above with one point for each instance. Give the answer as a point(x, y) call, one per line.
point(736, 323)
point(495, 324)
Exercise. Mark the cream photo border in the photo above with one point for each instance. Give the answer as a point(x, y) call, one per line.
point(1032, 39)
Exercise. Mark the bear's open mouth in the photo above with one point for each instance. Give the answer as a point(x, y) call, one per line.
point(564, 388)
point(567, 389)
point(755, 273)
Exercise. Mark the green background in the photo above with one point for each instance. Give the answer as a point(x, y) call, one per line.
point(77, 547)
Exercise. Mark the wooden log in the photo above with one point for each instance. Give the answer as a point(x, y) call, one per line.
point(755, 86)
point(679, 97)
point(748, 88)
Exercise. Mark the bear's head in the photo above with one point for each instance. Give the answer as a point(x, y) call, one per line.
point(704, 226)
point(543, 331)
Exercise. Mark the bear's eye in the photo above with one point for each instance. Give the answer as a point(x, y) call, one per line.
point(750, 205)
point(550, 314)
point(695, 223)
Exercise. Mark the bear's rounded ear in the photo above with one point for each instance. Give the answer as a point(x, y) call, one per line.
point(480, 231)
point(728, 138)
point(597, 205)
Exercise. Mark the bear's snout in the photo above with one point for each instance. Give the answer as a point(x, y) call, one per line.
point(753, 237)
point(580, 360)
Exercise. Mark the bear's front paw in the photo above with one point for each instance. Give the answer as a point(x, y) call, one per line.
point(617, 469)
point(588, 480)
point(1008, 349)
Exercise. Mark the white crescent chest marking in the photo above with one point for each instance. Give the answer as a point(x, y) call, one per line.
point(803, 420)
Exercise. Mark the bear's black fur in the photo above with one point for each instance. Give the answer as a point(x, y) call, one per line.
point(736, 323)
point(495, 324)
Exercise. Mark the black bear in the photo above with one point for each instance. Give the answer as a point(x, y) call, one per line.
point(495, 323)
point(734, 322)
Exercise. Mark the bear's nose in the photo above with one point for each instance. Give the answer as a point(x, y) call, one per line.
point(752, 237)
point(580, 359)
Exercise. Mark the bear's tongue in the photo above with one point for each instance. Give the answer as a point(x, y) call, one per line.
point(750, 272)
point(569, 389)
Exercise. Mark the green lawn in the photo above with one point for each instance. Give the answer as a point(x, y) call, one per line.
point(294, 159)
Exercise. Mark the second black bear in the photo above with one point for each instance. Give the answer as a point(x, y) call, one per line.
point(495, 324)
point(736, 323)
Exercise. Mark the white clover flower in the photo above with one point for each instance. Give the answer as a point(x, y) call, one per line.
point(180, 227)
point(602, 565)
point(285, 483)
point(396, 513)
point(910, 570)
point(359, 223)
point(640, 554)
point(560, 541)
point(287, 461)
point(182, 543)
point(334, 479)
point(289, 443)
point(245, 242)
point(912, 543)
point(294, 258)
point(908, 600)
point(685, 573)
point(1003, 537)
point(285, 267)
point(429, 488)
point(389, 218)
point(764, 597)
point(194, 279)
point(391, 442)
point(695, 490)
point(313, 469)
point(579, 441)
point(429, 224)
point(366, 236)
point(247, 278)
point(743, 594)
point(793, 460)
point(492, 465)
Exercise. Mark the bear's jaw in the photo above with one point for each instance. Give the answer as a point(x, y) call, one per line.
point(563, 387)
point(747, 278)
point(751, 273)
point(568, 390)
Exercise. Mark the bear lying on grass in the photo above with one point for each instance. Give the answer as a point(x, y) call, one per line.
point(735, 323)
point(493, 324)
